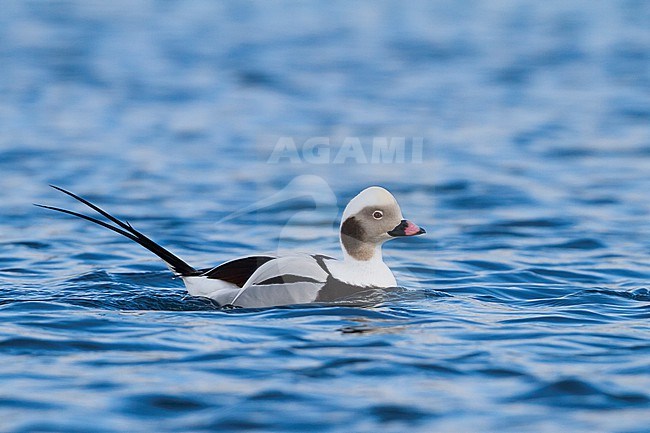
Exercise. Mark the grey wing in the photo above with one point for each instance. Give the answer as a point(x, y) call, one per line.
point(283, 281)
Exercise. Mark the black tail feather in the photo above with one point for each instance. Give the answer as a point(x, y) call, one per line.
point(126, 230)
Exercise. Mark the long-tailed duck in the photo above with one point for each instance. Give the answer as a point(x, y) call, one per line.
point(370, 219)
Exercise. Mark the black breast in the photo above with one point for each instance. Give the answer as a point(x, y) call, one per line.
point(335, 290)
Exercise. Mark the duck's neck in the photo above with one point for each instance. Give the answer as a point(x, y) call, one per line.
point(361, 252)
point(371, 272)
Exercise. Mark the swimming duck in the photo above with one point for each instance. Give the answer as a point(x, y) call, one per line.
point(370, 219)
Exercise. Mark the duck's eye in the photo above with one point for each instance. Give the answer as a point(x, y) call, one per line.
point(377, 214)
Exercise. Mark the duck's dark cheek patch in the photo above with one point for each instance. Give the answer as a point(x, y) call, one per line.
point(352, 238)
point(352, 228)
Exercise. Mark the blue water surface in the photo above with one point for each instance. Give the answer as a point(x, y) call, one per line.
point(525, 308)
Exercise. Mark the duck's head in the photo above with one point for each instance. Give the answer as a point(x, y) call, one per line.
point(370, 219)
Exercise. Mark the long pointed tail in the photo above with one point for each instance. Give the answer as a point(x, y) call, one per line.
point(125, 229)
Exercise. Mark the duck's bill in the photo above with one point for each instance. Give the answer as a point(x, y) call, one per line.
point(407, 228)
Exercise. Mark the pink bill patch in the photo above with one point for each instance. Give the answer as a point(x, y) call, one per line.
point(411, 229)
